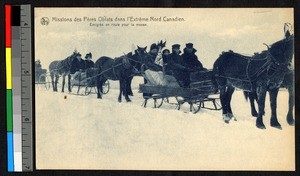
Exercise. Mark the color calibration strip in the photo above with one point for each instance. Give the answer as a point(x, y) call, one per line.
point(9, 103)
point(18, 87)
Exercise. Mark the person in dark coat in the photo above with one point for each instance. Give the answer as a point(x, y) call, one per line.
point(174, 66)
point(88, 61)
point(165, 55)
point(149, 61)
point(190, 59)
point(77, 66)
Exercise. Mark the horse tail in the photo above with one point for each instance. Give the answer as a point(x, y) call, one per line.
point(216, 72)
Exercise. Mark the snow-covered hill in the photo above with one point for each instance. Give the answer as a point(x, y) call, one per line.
point(87, 133)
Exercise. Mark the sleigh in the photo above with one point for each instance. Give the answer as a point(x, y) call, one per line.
point(200, 94)
point(86, 83)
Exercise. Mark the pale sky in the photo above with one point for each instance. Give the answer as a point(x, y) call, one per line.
point(212, 30)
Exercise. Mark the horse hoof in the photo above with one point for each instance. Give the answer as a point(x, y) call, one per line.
point(291, 122)
point(119, 101)
point(226, 118)
point(260, 125)
point(130, 95)
point(277, 126)
point(128, 100)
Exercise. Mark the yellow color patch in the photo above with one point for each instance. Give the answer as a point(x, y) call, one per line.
point(8, 68)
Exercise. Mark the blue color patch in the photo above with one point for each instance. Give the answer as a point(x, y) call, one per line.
point(10, 152)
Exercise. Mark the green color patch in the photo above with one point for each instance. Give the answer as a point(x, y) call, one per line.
point(9, 110)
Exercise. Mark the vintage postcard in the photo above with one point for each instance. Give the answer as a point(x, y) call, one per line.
point(164, 88)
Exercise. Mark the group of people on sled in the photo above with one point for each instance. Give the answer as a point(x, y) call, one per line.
point(79, 65)
point(161, 67)
point(172, 65)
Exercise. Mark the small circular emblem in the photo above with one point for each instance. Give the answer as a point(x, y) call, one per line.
point(45, 21)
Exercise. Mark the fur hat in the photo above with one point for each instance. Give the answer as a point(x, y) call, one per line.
point(165, 50)
point(176, 46)
point(153, 46)
point(189, 45)
point(88, 55)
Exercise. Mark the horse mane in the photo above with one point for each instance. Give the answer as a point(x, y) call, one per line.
point(280, 42)
point(260, 55)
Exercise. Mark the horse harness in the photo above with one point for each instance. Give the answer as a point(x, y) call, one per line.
point(271, 66)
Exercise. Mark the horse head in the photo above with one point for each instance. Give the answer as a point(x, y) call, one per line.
point(141, 50)
point(161, 44)
point(282, 51)
point(136, 59)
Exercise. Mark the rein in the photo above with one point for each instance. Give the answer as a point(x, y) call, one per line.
point(270, 64)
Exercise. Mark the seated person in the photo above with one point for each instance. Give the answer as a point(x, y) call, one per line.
point(174, 66)
point(190, 59)
point(88, 62)
point(149, 61)
point(157, 77)
point(77, 66)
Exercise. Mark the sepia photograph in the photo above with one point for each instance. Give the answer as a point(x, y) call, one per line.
point(164, 89)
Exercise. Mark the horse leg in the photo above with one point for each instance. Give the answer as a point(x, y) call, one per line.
point(289, 117)
point(52, 81)
point(121, 88)
point(63, 83)
point(69, 83)
point(261, 92)
point(56, 81)
point(273, 102)
point(252, 99)
point(99, 87)
point(224, 104)
point(230, 90)
point(128, 87)
point(125, 90)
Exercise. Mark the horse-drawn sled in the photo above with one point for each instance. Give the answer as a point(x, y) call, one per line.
point(41, 76)
point(200, 94)
point(86, 83)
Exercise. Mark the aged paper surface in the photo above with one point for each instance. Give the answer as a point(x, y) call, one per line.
point(83, 132)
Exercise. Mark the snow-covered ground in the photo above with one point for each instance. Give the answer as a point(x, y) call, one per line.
point(83, 132)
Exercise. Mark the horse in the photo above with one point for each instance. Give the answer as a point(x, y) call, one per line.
point(121, 68)
point(261, 73)
point(141, 51)
point(61, 68)
point(138, 54)
point(288, 82)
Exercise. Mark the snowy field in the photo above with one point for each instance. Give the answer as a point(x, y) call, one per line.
point(83, 132)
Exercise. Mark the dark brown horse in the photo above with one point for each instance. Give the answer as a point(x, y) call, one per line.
point(136, 57)
point(288, 82)
point(122, 68)
point(61, 68)
point(261, 73)
point(140, 52)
